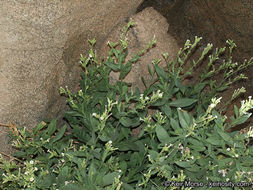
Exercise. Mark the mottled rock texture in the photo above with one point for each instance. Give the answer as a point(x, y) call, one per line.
point(40, 44)
point(215, 20)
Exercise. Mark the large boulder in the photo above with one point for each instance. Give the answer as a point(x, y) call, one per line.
point(216, 21)
point(40, 44)
point(148, 24)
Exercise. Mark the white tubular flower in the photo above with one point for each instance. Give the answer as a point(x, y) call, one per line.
point(250, 132)
point(66, 182)
point(80, 93)
point(246, 106)
point(223, 172)
point(102, 118)
point(31, 179)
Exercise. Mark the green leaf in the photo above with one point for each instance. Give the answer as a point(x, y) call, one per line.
point(19, 154)
point(240, 120)
point(80, 134)
point(128, 122)
point(194, 169)
point(144, 82)
point(197, 148)
point(153, 154)
point(179, 84)
point(159, 102)
point(175, 125)
point(72, 186)
point(162, 134)
point(198, 88)
point(102, 86)
point(73, 114)
point(127, 186)
point(224, 162)
point(182, 119)
point(40, 126)
point(127, 145)
point(214, 141)
point(195, 142)
point(150, 71)
point(221, 89)
point(92, 169)
point(225, 136)
point(184, 102)
point(183, 164)
point(59, 134)
point(236, 110)
point(123, 166)
point(46, 182)
point(116, 52)
point(160, 72)
point(134, 58)
point(124, 89)
point(125, 70)
point(219, 118)
point(166, 110)
point(63, 174)
point(122, 57)
point(111, 64)
point(52, 127)
point(109, 178)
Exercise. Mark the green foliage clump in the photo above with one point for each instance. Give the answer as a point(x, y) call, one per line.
point(184, 141)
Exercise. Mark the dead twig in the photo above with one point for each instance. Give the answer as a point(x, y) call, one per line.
point(12, 158)
point(4, 125)
point(12, 128)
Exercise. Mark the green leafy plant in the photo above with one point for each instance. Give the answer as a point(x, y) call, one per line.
point(184, 142)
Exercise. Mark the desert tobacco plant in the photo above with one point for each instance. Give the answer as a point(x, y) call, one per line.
point(183, 143)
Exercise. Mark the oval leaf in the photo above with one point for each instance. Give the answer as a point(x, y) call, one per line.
point(184, 102)
point(162, 134)
point(128, 122)
point(60, 134)
point(109, 178)
point(183, 164)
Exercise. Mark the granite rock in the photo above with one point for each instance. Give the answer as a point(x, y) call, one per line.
point(40, 44)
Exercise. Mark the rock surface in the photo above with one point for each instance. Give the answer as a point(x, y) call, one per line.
point(40, 44)
point(216, 21)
